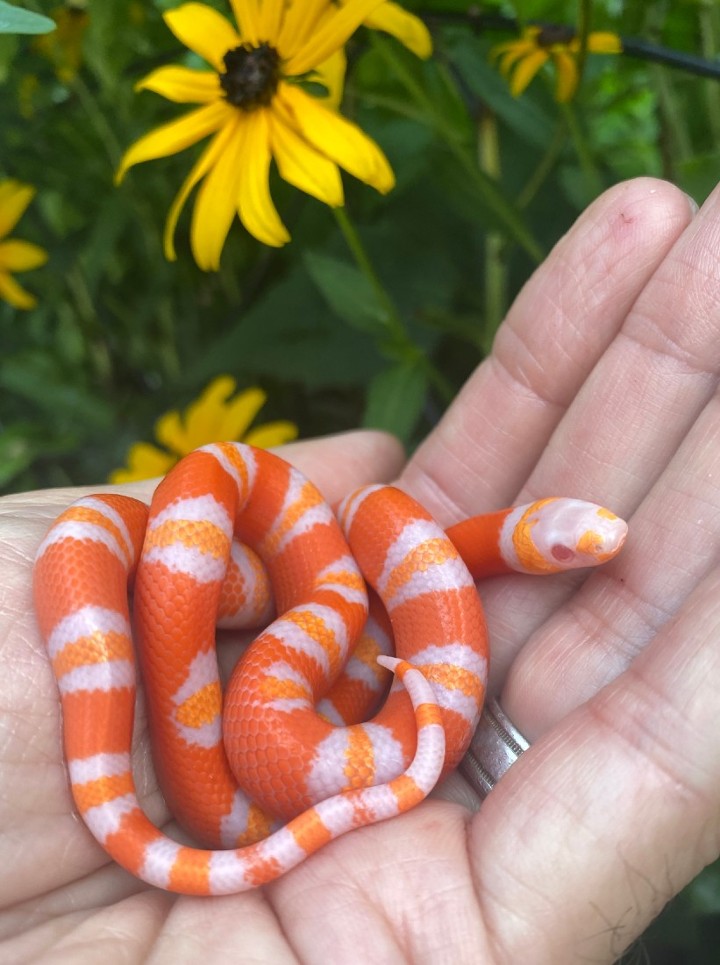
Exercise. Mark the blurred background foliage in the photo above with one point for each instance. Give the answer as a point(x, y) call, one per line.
point(486, 183)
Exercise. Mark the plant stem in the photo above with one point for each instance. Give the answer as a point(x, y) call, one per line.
point(399, 339)
point(709, 23)
point(98, 120)
point(587, 164)
point(168, 352)
point(583, 32)
point(94, 343)
point(362, 259)
point(495, 293)
point(675, 142)
point(487, 189)
point(545, 165)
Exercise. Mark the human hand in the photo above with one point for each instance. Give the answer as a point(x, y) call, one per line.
point(602, 382)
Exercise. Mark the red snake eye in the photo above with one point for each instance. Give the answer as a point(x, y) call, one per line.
point(561, 553)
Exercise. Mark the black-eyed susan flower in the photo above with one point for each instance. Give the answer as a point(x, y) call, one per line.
point(16, 255)
point(216, 416)
point(521, 59)
point(255, 106)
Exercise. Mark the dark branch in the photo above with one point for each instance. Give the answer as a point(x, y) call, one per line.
point(631, 46)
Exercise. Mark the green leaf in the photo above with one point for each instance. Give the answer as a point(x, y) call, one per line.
point(347, 291)
point(21, 444)
point(290, 334)
point(310, 83)
point(36, 378)
point(8, 52)
point(15, 20)
point(395, 399)
point(697, 175)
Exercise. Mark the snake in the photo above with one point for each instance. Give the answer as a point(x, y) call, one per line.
point(360, 691)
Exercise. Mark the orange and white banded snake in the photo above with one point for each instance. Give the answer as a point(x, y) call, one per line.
point(229, 528)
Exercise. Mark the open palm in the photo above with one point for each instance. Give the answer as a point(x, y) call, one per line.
point(603, 385)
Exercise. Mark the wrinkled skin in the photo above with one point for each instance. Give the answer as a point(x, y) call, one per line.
point(602, 384)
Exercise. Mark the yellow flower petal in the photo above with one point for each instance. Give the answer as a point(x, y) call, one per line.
point(14, 199)
point(272, 434)
point(11, 292)
point(214, 417)
point(143, 462)
point(170, 430)
point(300, 22)
point(216, 205)
point(567, 77)
point(183, 85)
point(236, 415)
point(522, 47)
point(204, 163)
point(21, 255)
point(604, 42)
point(338, 139)
point(302, 165)
point(205, 419)
point(175, 136)
point(331, 74)
point(508, 60)
point(270, 19)
point(247, 16)
point(204, 31)
point(526, 70)
point(404, 26)
point(255, 206)
point(332, 33)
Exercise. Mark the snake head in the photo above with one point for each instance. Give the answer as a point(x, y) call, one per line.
point(563, 534)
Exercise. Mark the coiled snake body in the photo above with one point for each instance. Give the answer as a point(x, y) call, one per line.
point(288, 740)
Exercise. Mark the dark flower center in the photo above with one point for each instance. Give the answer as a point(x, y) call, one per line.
point(251, 75)
point(555, 34)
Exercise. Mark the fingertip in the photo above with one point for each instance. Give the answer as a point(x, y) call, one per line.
point(640, 214)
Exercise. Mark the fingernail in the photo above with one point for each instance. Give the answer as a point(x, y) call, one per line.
point(694, 206)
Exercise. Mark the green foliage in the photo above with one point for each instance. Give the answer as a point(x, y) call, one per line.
point(396, 397)
point(688, 931)
point(16, 20)
point(120, 334)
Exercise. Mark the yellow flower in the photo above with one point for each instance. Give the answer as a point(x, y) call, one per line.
point(254, 105)
point(523, 58)
point(16, 255)
point(214, 417)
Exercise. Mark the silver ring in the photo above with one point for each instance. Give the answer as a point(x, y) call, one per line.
point(495, 747)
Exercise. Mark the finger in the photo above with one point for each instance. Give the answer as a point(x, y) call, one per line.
point(595, 636)
point(652, 382)
point(616, 809)
point(651, 393)
point(563, 320)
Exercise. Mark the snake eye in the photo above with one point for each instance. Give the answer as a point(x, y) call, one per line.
point(561, 553)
